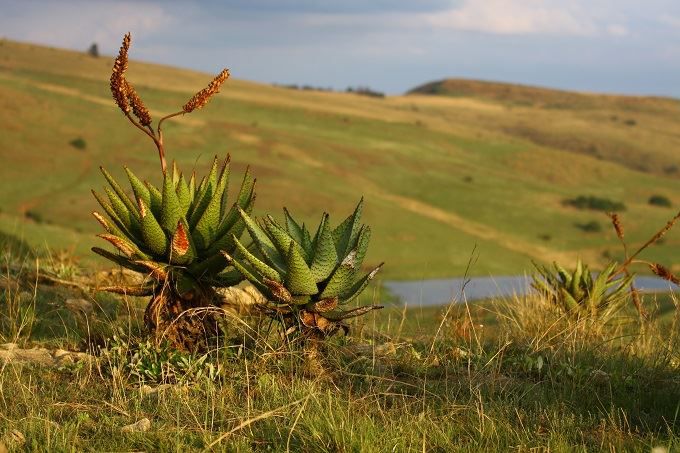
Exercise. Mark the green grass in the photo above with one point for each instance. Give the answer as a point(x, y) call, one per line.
point(439, 174)
point(492, 376)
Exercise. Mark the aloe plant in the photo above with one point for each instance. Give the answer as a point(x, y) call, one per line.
point(576, 292)
point(307, 281)
point(173, 234)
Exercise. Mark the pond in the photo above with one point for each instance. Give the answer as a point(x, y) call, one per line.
point(443, 291)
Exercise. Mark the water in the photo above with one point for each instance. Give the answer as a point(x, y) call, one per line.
point(443, 291)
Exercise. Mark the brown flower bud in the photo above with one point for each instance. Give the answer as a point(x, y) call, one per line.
point(201, 98)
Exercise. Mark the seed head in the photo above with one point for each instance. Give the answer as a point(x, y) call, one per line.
point(664, 273)
point(138, 107)
point(119, 86)
point(617, 224)
point(201, 98)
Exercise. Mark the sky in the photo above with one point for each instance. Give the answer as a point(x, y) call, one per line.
point(616, 46)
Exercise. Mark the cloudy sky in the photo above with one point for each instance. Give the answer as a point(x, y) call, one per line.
point(625, 46)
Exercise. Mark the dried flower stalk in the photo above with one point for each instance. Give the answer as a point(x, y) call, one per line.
point(138, 107)
point(664, 273)
point(200, 99)
point(118, 85)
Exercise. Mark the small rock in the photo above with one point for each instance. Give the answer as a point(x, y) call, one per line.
point(139, 426)
point(79, 306)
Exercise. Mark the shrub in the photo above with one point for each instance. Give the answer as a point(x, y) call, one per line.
point(590, 227)
point(594, 203)
point(660, 200)
point(78, 143)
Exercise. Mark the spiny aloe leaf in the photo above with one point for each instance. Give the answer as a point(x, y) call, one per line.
point(341, 279)
point(279, 292)
point(118, 259)
point(293, 228)
point(362, 245)
point(346, 233)
point(245, 194)
point(109, 227)
point(112, 214)
point(182, 250)
point(359, 286)
point(306, 244)
point(138, 187)
point(208, 266)
point(156, 198)
point(260, 267)
point(207, 228)
point(192, 185)
point(128, 219)
point(299, 279)
point(325, 256)
point(339, 315)
point(119, 191)
point(204, 195)
point(230, 277)
point(278, 235)
point(183, 195)
point(263, 242)
point(171, 211)
point(175, 173)
point(154, 236)
point(248, 274)
point(225, 241)
point(125, 246)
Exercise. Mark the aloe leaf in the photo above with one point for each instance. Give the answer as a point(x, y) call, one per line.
point(325, 256)
point(171, 212)
point(569, 302)
point(127, 218)
point(299, 279)
point(294, 229)
point(154, 236)
point(124, 198)
point(245, 194)
point(230, 277)
point(362, 245)
point(175, 173)
point(346, 233)
point(156, 199)
point(183, 195)
point(138, 187)
point(125, 246)
point(192, 185)
point(248, 275)
point(119, 259)
point(204, 195)
point(341, 279)
point(359, 286)
point(263, 242)
point(182, 249)
point(112, 214)
point(278, 235)
point(260, 267)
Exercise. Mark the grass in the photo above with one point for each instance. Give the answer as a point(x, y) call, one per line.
point(439, 173)
point(491, 376)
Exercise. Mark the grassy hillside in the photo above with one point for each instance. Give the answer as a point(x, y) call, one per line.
point(439, 173)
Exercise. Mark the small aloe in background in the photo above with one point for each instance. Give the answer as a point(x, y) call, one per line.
point(577, 293)
point(174, 234)
point(307, 280)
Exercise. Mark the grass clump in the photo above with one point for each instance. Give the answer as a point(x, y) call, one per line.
point(78, 143)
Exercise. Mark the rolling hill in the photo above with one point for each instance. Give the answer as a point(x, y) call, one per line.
point(449, 166)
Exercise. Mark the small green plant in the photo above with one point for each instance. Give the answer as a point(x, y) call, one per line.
point(174, 235)
point(577, 292)
point(308, 281)
point(594, 203)
point(660, 200)
point(590, 227)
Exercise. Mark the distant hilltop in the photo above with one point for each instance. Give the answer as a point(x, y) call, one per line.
point(536, 96)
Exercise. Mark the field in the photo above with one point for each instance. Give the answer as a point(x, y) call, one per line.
point(476, 164)
point(505, 375)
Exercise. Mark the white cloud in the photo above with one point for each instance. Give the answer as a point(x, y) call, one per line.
point(77, 24)
point(617, 30)
point(516, 17)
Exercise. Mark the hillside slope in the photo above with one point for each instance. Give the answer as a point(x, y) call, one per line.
point(440, 174)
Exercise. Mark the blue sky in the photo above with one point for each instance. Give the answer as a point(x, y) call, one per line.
point(623, 46)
